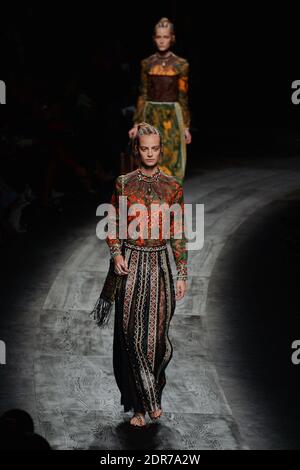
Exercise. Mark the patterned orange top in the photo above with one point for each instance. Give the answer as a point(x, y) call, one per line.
point(151, 226)
point(164, 80)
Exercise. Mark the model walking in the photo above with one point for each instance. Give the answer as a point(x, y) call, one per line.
point(163, 100)
point(145, 298)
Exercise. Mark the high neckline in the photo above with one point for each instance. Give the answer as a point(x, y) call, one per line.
point(149, 178)
point(164, 58)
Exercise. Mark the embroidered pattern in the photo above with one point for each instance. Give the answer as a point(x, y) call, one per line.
point(164, 190)
point(145, 298)
point(167, 109)
point(146, 304)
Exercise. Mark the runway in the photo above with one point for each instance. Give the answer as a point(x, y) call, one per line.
point(218, 393)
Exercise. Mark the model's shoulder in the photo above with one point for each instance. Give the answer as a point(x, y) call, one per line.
point(169, 179)
point(181, 60)
point(164, 176)
point(124, 180)
point(148, 60)
point(127, 177)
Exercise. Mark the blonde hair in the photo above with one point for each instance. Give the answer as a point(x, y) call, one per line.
point(143, 128)
point(165, 23)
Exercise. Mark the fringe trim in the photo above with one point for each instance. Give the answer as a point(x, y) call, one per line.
point(102, 312)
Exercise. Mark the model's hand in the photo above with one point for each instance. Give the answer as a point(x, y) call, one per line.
point(121, 265)
point(132, 133)
point(187, 136)
point(180, 289)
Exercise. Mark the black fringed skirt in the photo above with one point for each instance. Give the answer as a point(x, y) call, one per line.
point(144, 305)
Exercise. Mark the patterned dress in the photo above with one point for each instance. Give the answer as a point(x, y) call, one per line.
point(145, 299)
point(163, 103)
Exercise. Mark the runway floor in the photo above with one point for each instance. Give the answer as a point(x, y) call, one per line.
point(230, 384)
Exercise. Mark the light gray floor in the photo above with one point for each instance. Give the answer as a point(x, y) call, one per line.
point(60, 365)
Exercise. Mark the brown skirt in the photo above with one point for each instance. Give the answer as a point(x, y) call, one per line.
point(144, 306)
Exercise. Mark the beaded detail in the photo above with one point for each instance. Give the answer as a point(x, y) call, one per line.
point(164, 59)
point(151, 248)
point(149, 178)
point(182, 272)
point(115, 250)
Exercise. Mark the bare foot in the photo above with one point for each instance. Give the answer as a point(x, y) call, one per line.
point(138, 419)
point(155, 414)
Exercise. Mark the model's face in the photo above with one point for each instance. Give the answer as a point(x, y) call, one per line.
point(163, 39)
point(149, 150)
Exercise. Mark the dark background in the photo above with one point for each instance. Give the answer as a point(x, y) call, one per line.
point(235, 57)
point(72, 75)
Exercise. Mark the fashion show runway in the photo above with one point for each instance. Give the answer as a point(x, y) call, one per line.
point(225, 387)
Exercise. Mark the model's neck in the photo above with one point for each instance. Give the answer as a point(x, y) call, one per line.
point(164, 54)
point(149, 171)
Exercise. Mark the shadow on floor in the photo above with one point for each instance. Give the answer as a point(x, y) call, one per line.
point(254, 305)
